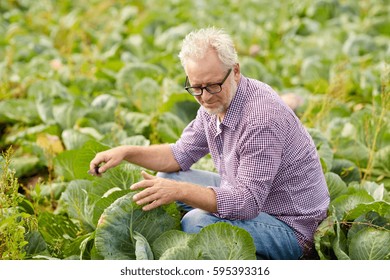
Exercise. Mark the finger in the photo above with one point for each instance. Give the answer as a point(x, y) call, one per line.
point(106, 166)
point(94, 168)
point(141, 185)
point(95, 171)
point(146, 175)
point(151, 206)
point(144, 197)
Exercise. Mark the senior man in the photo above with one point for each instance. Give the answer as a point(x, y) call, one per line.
point(269, 181)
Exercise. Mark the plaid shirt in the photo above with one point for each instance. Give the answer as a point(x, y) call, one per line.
point(266, 159)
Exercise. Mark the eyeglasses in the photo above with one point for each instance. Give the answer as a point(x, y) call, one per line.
point(213, 88)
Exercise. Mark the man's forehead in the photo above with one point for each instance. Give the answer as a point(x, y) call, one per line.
point(209, 76)
point(204, 69)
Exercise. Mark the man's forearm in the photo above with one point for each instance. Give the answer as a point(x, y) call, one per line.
point(154, 157)
point(199, 197)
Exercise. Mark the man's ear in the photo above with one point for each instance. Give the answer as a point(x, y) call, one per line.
point(237, 72)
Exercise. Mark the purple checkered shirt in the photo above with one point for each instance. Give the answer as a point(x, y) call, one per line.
point(266, 159)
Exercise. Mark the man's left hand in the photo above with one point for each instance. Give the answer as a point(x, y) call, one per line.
point(157, 191)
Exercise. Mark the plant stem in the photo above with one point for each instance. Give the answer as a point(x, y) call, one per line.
point(385, 102)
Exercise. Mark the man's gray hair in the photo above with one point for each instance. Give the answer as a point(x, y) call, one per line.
point(198, 42)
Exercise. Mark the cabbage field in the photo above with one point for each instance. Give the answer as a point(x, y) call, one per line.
point(79, 77)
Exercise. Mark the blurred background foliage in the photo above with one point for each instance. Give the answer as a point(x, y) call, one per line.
point(72, 71)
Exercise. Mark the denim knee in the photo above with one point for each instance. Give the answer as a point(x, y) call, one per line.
point(165, 175)
point(196, 219)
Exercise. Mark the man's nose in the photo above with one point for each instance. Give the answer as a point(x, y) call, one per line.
point(206, 95)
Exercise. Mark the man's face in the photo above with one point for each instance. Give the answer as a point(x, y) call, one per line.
point(209, 70)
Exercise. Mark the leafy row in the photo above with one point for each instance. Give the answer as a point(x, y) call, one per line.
point(358, 222)
point(96, 219)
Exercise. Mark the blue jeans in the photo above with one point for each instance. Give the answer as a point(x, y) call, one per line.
point(273, 238)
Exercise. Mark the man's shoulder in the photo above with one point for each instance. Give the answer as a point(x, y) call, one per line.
point(260, 97)
point(263, 106)
point(255, 85)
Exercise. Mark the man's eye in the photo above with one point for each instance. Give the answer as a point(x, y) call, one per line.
point(211, 87)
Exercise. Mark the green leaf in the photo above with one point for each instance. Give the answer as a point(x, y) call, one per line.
point(325, 236)
point(58, 231)
point(122, 177)
point(79, 203)
point(105, 102)
point(85, 200)
point(180, 253)
point(223, 241)
point(368, 220)
point(25, 166)
point(134, 72)
point(380, 207)
point(113, 234)
point(136, 140)
point(315, 73)
point(381, 24)
point(142, 247)
point(346, 203)
point(74, 164)
point(85, 245)
point(205, 163)
point(18, 111)
point(66, 113)
point(136, 123)
point(105, 202)
point(339, 244)
point(80, 247)
point(182, 105)
point(382, 161)
point(370, 244)
point(354, 151)
point(323, 10)
point(74, 139)
point(335, 184)
point(169, 127)
point(346, 169)
point(46, 93)
point(48, 191)
point(103, 109)
point(167, 39)
point(170, 239)
point(146, 95)
point(253, 68)
point(36, 244)
point(323, 147)
point(45, 108)
point(31, 132)
point(358, 45)
point(24, 205)
point(375, 190)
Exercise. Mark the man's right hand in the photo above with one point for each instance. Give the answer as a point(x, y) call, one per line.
point(153, 157)
point(106, 160)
